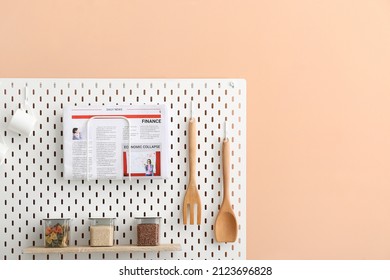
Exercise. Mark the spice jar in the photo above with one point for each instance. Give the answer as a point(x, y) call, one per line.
point(101, 232)
point(56, 232)
point(148, 231)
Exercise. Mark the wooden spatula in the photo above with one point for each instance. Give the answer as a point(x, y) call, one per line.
point(192, 197)
point(226, 229)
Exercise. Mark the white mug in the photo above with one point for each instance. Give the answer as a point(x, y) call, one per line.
point(3, 152)
point(22, 123)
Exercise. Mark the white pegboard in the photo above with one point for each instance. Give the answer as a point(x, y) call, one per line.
point(33, 188)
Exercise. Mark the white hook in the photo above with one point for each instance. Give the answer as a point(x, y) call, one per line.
point(226, 131)
point(192, 110)
point(27, 104)
point(26, 95)
point(3, 149)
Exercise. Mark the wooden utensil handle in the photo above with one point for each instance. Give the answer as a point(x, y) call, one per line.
point(226, 169)
point(192, 148)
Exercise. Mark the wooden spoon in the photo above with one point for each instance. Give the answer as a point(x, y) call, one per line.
point(226, 229)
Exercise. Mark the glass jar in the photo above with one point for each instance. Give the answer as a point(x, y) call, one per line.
point(148, 231)
point(102, 232)
point(56, 232)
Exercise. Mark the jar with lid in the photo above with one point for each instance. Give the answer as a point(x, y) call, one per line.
point(56, 232)
point(102, 232)
point(148, 231)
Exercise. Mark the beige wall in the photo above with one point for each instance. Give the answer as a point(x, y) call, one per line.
point(318, 76)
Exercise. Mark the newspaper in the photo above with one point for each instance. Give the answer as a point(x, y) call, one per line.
point(96, 142)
